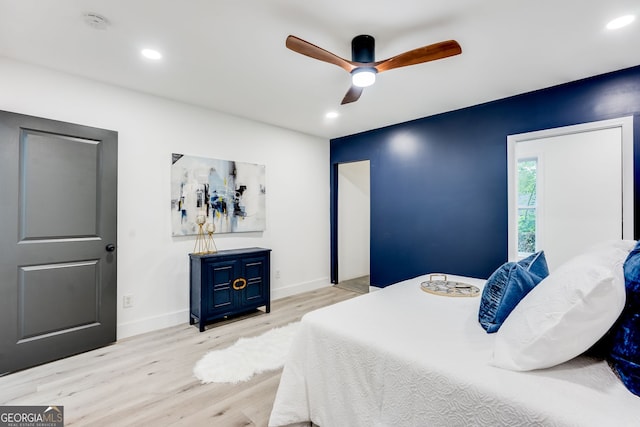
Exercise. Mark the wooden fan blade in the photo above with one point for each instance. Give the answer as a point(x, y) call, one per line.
point(305, 48)
point(352, 95)
point(422, 54)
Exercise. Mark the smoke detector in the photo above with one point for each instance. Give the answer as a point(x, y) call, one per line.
point(96, 21)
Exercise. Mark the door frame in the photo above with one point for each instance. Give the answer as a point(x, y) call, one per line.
point(626, 126)
point(354, 217)
point(334, 214)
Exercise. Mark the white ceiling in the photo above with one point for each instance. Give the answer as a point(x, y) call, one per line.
point(230, 55)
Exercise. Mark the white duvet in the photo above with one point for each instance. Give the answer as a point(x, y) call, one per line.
point(404, 357)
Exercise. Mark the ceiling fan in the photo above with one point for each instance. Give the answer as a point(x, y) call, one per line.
point(363, 67)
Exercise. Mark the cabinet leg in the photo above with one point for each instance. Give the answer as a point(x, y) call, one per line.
point(268, 308)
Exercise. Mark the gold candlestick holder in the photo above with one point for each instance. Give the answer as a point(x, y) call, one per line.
point(201, 242)
point(210, 244)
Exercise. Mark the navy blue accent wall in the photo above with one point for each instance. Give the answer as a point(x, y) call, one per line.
point(439, 184)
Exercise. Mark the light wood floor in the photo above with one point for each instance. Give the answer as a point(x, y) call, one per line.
point(147, 380)
point(359, 284)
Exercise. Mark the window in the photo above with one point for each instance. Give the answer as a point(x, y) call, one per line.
point(527, 205)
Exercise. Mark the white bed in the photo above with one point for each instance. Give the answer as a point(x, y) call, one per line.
point(404, 357)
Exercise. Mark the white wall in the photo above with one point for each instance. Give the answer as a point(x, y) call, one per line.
point(354, 219)
point(153, 266)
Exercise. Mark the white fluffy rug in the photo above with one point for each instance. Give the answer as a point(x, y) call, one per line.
point(246, 357)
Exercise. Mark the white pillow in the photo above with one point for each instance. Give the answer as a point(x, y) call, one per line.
point(568, 312)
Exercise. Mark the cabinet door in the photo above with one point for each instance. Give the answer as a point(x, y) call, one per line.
point(219, 292)
point(255, 271)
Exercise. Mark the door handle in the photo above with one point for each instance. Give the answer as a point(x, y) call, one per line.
point(243, 284)
point(110, 247)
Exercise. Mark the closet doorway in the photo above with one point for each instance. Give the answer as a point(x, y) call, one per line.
point(354, 213)
point(582, 181)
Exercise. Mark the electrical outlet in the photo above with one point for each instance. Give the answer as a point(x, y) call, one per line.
point(277, 274)
point(127, 301)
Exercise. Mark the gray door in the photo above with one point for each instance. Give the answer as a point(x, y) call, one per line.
point(58, 193)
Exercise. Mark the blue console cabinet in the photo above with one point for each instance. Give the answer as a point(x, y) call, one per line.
point(227, 283)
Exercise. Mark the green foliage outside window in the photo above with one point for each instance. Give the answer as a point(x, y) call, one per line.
point(527, 178)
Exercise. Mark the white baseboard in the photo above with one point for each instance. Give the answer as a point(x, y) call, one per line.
point(167, 320)
point(154, 323)
point(298, 288)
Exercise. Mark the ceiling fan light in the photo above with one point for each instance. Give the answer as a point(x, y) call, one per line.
point(363, 77)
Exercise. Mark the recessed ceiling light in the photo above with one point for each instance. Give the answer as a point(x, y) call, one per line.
point(151, 54)
point(331, 115)
point(620, 22)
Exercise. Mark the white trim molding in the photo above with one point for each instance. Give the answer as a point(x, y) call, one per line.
point(626, 126)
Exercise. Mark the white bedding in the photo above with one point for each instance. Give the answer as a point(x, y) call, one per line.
point(403, 357)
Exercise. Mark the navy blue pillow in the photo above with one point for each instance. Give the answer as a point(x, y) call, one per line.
point(625, 354)
point(507, 286)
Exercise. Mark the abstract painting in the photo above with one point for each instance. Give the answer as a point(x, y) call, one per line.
point(230, 194)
